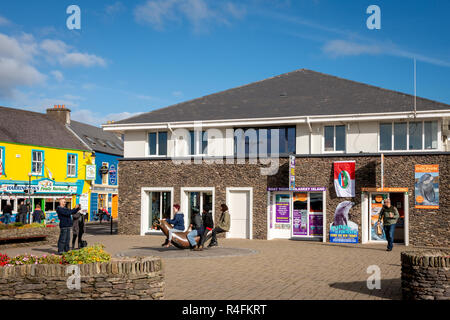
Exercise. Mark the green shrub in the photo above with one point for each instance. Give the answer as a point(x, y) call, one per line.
point(90, 254)
point(17, 224)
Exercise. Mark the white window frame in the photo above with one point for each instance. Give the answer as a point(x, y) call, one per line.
point(145, 200)
point(41, 172)
point(438, 148)
point(334, 138)
point(157, 155)
point(198, 143)
point(185, 200)
point(72, 165)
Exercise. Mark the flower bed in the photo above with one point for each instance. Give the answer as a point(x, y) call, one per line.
point(21, 235)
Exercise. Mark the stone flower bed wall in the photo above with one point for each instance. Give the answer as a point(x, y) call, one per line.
point(426, 275)
point(124, 279)
point(22, 237)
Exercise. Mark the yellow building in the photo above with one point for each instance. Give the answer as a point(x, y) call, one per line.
point(42, 161)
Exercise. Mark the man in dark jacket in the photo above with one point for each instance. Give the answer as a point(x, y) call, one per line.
point(389, 214)
point(65, 224)
point(177, 222)
point(7, 212)
point(197, 230)
point(22, 212)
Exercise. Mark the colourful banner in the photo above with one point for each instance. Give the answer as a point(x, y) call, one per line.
point(282, 207)
point(291, 172)
point(342, 230)
point(426, 186)
point(344, 178)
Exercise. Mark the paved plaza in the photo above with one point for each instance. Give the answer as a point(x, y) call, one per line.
point(259, 269)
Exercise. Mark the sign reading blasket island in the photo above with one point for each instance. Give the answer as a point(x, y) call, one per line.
point(44, 186)
point(426, 186)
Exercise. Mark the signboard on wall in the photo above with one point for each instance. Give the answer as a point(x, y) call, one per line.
point(84, 201)
point(282, 207)
point(291, 172)
point(91, 170)
point(316, 225)
point(344, 178)
point(342, 230)
point(112, 174)
point(426, 186)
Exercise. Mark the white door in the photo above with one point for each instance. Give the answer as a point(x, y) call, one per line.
point(239, 208)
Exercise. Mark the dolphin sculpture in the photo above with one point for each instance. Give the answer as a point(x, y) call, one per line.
point(179, 239)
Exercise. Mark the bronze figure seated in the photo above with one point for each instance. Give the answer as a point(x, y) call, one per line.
point(179, 239)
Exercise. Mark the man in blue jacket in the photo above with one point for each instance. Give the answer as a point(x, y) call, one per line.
point(65, 224)
point(178, 224)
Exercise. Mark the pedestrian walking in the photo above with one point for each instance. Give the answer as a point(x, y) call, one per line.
point(22, 212)
point(78, 228)
point(65, 224)
point(197, 230)
point(7, 212)
point(177, 222)
point(38, 214)
point(208, 223)
point(223, 225)
point(389, 215)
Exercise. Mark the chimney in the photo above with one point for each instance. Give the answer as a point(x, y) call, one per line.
point(59, 113)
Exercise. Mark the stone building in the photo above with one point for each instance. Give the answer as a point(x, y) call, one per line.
point(347, 136)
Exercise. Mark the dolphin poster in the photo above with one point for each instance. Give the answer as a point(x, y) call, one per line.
point(342, 230)
point(426, 186)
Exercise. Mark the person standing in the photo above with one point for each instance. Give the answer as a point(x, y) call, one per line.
point(208, 223)
point(177, 222)
point(65, 224)
point(78, 228)
point(7, 212)
point(37, 214)
point(197, 230)
point(22, 212)
point(223, 225)
point(389, 214)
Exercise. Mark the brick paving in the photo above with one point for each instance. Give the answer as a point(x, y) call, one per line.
point(262, 269)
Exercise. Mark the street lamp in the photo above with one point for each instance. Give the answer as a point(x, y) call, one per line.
point(29, 197)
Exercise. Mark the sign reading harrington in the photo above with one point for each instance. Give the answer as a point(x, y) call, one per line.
point(426, 186)
point(43, 186)
point(344, 178)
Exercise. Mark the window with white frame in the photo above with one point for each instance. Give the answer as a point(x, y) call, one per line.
point(157, 143)
point(71, 165)
point(37, 162)
point(412, 135)
point(160, 206)
point(334, 138)
point(199, 144)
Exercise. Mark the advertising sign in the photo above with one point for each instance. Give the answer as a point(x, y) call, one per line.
point(43, 186)
point(112, 174)
point(291, 172)
point(300, 214)
point(91, 170)
point(375, 210)
point(426, 186)
point(282, 208)
point(344, 178)
point(84, 201)
point(342, 230)
point(316, 225)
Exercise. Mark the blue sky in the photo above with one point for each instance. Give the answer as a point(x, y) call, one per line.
point(136, 56)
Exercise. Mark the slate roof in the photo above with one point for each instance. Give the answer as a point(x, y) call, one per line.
point(97, 139)
point(298, 93)
point(27, 127)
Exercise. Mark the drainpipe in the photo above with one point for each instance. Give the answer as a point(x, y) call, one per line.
point(310, 134)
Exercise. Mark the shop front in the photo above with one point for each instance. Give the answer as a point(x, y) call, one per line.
point(297, 213)
point(372, 200)
point(44, 192)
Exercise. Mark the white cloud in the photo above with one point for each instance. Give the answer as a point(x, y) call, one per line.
point(57, 75)
point(177, 94)
point(336, 48)
point(199, 13)
point(4, 21)
point(94, 118)
point(114, 8)
point(58, 50)
point(16, 67)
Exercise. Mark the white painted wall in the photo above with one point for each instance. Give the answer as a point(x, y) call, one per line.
point(135, 144)
point(362, 136)
point(302, 141)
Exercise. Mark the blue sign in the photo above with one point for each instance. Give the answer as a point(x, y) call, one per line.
point(112, 174)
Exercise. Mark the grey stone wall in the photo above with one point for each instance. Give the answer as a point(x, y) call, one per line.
point(426, 227)
point(426, 275)
point(124, 279)
point(28, 237)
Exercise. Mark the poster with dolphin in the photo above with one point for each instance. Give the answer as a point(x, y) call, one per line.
point(342, 230)
point(426, 186)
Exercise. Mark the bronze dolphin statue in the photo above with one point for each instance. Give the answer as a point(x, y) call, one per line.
point(179, 239)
